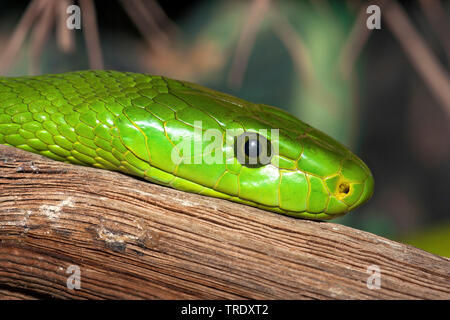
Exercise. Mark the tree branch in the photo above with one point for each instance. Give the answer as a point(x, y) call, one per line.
point(133, 239)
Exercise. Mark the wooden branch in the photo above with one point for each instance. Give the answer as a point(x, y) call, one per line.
point(133, 239)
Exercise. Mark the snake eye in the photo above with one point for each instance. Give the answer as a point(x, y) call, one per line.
point(253, 150)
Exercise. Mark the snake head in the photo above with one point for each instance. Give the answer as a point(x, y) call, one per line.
point(315, 176)
point(305, 173)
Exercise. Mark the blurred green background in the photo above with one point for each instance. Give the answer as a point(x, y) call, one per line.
point(376, 91)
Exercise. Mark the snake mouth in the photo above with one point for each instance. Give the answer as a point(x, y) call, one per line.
point(367, 193)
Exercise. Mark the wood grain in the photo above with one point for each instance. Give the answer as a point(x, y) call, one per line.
point(135, 240)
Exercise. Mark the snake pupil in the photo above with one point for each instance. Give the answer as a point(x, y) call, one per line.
point(252, 148)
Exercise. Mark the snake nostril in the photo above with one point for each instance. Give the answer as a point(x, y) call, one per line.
point(344, 187)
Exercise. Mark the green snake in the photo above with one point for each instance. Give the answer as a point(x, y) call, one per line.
point(135, 124)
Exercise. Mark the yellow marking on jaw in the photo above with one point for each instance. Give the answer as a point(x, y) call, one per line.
point(344, 188)
point(309, 191)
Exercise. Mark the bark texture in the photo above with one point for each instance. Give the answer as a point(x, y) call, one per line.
point(132, 239)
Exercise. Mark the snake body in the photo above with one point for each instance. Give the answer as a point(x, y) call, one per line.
point(135, 123)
